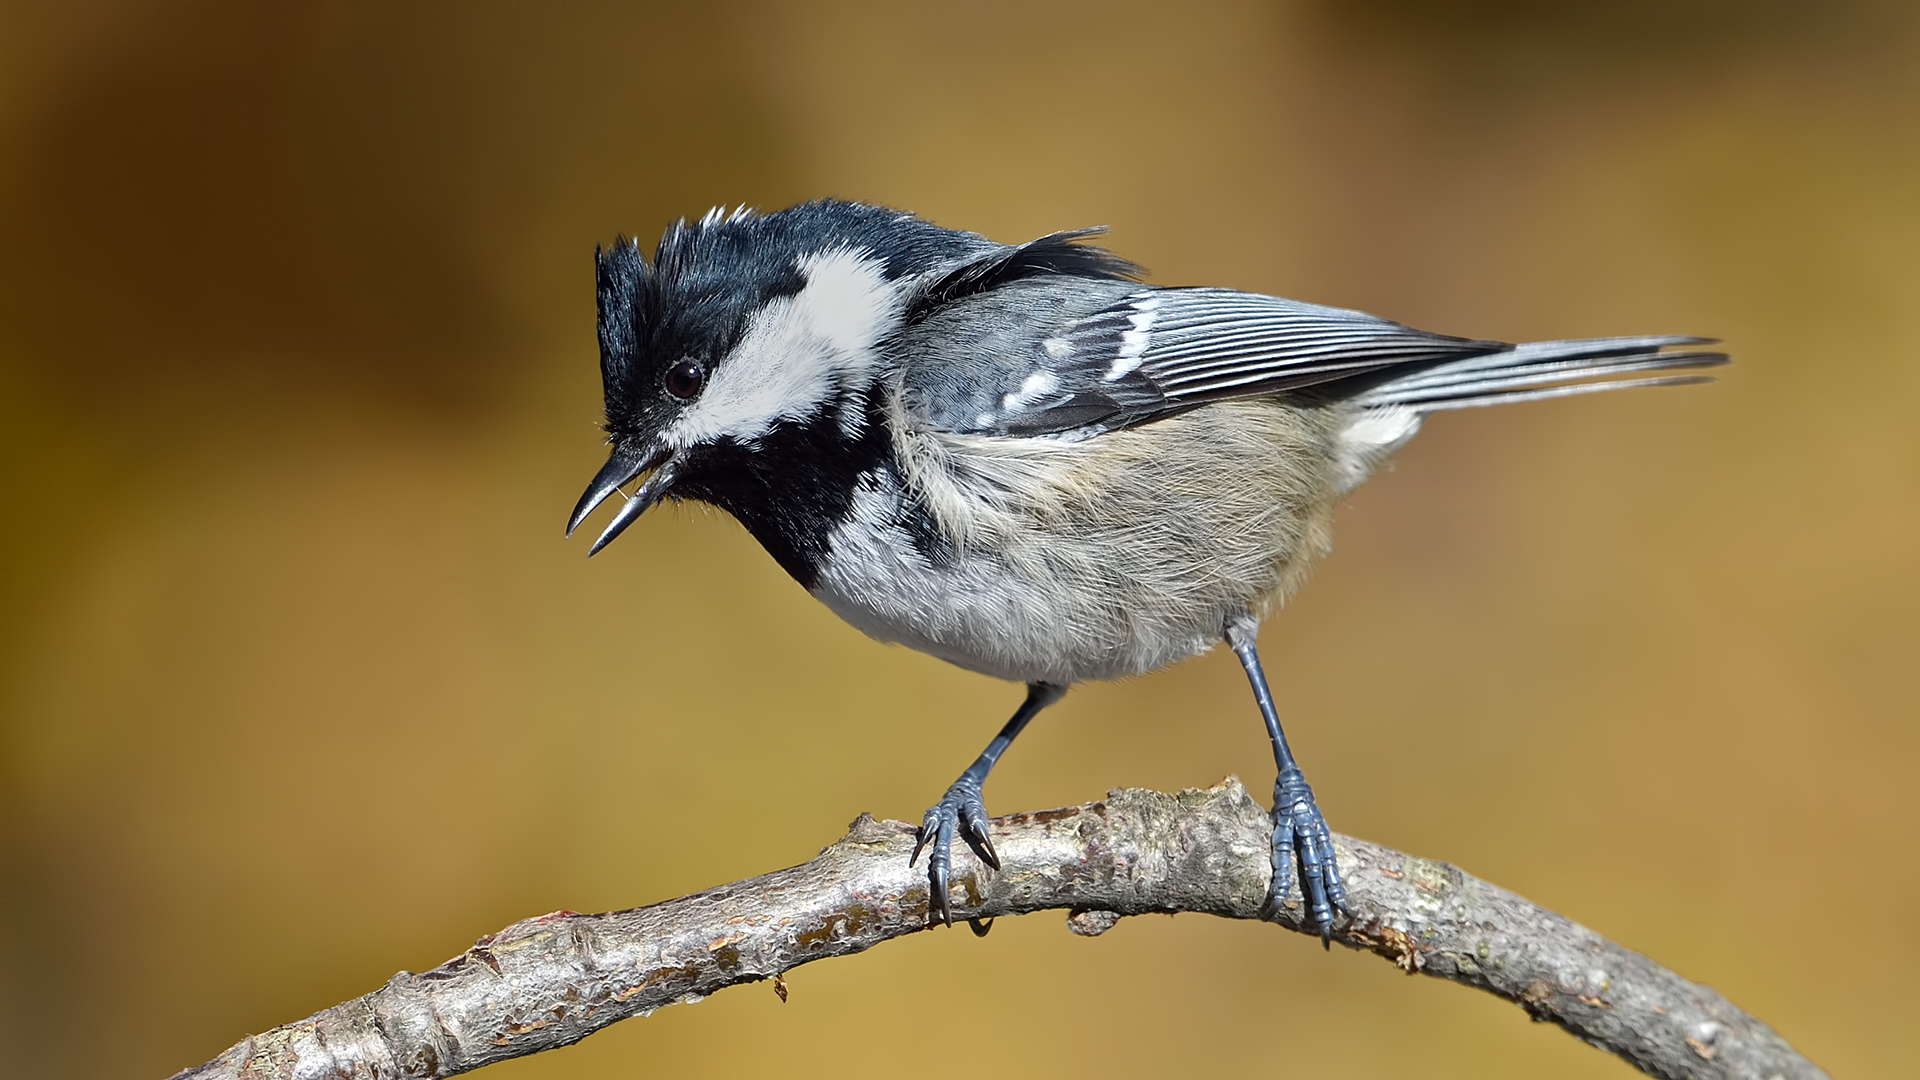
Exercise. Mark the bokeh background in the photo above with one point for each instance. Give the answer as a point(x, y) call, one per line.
point(300, 685)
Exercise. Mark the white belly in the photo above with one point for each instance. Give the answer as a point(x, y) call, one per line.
point(1088, 560)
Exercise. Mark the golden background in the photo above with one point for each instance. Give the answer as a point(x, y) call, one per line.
point(300, 685)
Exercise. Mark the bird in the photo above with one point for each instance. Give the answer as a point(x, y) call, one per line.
point(1025, 460)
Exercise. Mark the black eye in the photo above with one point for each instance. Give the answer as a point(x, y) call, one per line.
point(685, 378)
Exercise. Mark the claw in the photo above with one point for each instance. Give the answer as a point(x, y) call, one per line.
point(975, 833)
point(980, 926)
point(959, 810)
point(961, 807)
point(939, 903)
point(938, 828)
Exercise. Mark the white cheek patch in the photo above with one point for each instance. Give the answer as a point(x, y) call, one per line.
point(801, 354)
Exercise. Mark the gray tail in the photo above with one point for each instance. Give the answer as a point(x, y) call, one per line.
point(1544, 369)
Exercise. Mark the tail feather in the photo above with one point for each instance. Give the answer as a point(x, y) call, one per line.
point(1390, 413)
point(1543, 369)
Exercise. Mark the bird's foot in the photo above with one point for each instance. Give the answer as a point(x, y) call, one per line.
point(1300, 833)
point(962, 810)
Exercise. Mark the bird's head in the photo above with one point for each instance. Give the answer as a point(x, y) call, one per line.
point(745, 324)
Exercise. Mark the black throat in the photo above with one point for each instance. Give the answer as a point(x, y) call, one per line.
point(792, 488)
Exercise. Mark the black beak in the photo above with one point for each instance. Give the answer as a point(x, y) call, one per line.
point(621, 467)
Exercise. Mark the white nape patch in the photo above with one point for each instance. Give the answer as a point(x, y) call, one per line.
point(1134, 342)
point(1037, 385)
point(1369, 439)
point(800, 354)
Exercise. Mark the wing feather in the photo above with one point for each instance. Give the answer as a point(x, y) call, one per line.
point(1044, 356)
point(1152, 352)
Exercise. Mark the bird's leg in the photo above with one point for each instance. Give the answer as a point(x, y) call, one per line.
point(962, 807)
point(1299, 829)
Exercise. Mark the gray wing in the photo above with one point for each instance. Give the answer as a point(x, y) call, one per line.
point(1075, 357)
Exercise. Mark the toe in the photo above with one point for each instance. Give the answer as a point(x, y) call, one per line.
point(1313, 875)
point(939, 903)
point(973, 827)
point(1282, 881)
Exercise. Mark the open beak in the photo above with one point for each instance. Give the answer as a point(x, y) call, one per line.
point(621, 467)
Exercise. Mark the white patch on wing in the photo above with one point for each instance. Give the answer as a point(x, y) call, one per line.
point(800, 354)
point(1037, 385)
point(1057, 347)
point(1134, 342)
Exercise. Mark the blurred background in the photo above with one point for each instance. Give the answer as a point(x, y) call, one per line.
point(300, 685)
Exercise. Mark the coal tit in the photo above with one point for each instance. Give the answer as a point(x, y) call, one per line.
point(1021, 459)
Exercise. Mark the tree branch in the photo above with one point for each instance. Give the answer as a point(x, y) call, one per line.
point(550, 981)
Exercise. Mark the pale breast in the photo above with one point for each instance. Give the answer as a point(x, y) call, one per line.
point(1066, 561)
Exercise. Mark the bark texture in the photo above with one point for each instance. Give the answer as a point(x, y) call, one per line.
point(550, 981)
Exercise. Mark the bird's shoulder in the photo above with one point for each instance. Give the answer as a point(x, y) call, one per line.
point(977, 365)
